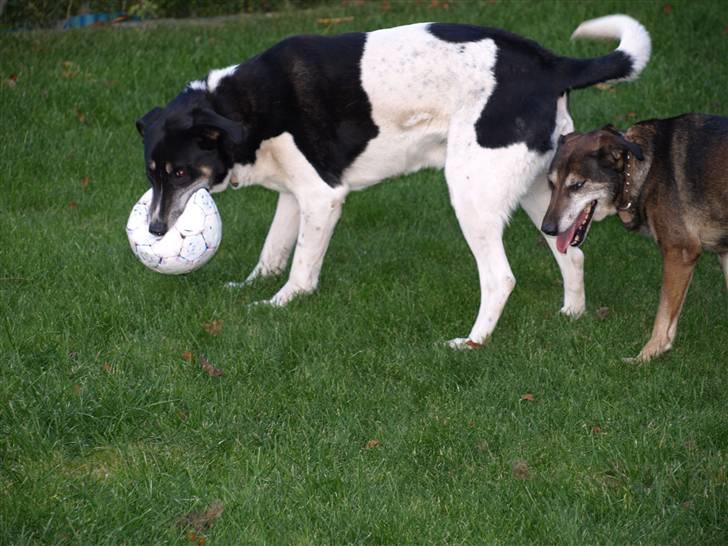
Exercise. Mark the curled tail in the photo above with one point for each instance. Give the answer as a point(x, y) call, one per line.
point(624, 63)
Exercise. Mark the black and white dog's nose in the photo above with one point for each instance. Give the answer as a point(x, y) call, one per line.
point(550, 228)
point(157, 228)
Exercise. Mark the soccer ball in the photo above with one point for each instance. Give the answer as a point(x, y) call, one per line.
point(190, 242)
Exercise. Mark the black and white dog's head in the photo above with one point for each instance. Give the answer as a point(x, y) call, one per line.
point(187, 146)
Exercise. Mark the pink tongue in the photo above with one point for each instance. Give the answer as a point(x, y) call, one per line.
point(563, 239)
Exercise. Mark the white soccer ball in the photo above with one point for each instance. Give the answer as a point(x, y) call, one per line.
point(188, 244)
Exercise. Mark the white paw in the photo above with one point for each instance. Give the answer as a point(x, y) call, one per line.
point(573, 310)
point(463, 344)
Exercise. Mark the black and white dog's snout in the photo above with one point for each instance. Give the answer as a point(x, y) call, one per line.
point(157, 228)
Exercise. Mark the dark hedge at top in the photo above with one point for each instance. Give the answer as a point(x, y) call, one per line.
point(52, 13)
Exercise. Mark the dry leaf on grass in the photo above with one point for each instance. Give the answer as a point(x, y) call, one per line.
point(187, 356)
point(334, 20)
point(108, 368)
point(520, 469)
point(70, 69)
point(371, 444)
point(214, 327)
point(202, 521)
point(528, 397)
point(85, 181)
point(208, 368)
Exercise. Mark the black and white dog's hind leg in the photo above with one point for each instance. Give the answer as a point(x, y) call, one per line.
point(485, 186)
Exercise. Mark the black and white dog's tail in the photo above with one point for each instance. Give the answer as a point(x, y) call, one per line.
point(623, 64)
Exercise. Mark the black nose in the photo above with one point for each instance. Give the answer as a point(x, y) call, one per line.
point(550, 228)
point(158, 228)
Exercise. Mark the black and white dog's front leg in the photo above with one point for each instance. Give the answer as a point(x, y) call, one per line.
point(279, 242)
point(319, 209)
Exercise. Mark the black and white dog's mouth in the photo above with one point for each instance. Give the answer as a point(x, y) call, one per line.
point(576, 234)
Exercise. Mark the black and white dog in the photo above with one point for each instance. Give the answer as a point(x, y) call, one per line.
point(314, 118)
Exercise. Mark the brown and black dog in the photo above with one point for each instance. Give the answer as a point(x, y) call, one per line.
point(666, 178)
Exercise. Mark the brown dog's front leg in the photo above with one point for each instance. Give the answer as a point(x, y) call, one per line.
point(678, 264)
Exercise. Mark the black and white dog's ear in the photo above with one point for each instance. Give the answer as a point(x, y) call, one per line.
point(214, 128)
point(147, 119)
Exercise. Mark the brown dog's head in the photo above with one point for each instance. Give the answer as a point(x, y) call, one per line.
point(586, 177)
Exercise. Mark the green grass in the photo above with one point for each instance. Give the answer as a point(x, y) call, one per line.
point(108, 436)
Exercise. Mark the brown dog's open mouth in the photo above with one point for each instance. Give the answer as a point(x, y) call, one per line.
point(576, 234)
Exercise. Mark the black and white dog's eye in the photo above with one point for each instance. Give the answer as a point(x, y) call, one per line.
point(577, 185)
point(179, 173)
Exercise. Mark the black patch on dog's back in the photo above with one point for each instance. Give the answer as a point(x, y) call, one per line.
point(458, 34)
point(309, 86)
point(522, 107)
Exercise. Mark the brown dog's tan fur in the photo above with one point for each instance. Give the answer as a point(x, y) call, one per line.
point(677, 193)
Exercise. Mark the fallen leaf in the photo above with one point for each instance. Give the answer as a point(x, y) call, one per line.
point(70, 69)
point(108, 368)
point(201, 521)
point(334, 20)
point(12, 81)
point(631, 114)
point(214, 327)
point(80, 116)
point(85, 181)
point(208, 368)
point(201, 541)
point(596, 429)
point(371, 444)
point(528, 397)
point(72, 205)
point(602, 313)
point(520, 469)
point(667, 9)
point(187, 356)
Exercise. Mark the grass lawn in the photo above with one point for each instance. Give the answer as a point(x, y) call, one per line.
point(342, 418)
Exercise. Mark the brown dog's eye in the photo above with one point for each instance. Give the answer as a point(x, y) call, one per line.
point(179, 173)
point(577, 185)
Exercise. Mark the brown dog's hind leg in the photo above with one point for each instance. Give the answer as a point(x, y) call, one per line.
point(678, 264)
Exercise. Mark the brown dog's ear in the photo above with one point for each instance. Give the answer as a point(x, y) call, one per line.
point(611, 129)
point(613, 146)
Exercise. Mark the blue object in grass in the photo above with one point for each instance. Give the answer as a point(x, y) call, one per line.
point(88, 19)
